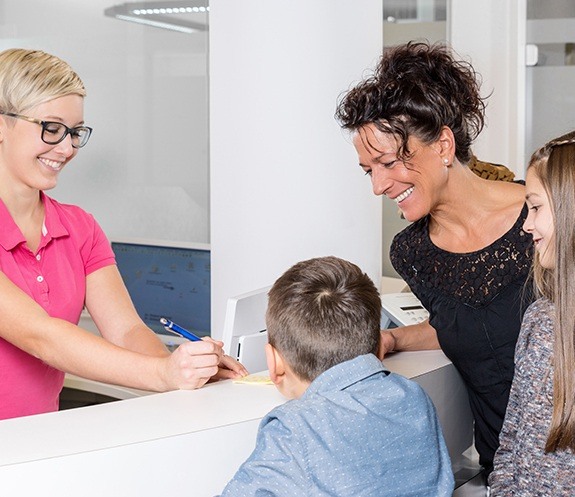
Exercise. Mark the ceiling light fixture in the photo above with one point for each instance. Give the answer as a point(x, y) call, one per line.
point(162, 14)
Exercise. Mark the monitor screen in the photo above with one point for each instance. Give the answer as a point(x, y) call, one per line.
point(170, 280)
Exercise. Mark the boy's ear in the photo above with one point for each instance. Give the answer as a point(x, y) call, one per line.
point(276, 365)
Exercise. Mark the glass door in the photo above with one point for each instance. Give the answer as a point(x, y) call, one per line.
point(550, 75)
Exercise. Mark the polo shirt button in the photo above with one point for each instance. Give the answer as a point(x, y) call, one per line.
point(38, 257)
point(40, 279)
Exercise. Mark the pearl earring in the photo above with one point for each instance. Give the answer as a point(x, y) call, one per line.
point(446, 161)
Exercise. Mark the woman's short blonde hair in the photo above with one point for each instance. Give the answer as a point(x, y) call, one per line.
point(31, 77)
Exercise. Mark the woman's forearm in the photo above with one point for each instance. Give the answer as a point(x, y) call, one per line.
point(421, 336)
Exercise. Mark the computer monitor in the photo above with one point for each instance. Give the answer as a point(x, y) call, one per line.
point(167, 279)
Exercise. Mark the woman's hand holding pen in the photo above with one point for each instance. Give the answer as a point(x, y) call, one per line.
point(226, 367)
point(192, 364)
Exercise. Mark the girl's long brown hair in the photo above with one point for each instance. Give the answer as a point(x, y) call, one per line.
point(554, 165)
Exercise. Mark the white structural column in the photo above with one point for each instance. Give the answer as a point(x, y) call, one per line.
point(285, 184)
point(491, 33)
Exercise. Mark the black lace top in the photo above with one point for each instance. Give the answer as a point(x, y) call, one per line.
point(476, 302)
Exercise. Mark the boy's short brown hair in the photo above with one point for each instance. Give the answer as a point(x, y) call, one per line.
point(322, 312)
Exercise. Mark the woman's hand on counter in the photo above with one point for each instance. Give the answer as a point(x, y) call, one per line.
point(420, 336)
point(228, 368)
point(387, 344)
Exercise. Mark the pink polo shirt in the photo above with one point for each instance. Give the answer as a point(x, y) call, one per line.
point(73, 245)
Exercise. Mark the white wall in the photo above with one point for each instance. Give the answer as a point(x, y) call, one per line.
point(285, 184)
point(491, 34)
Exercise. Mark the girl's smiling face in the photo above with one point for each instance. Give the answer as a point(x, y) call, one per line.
point(540, 223)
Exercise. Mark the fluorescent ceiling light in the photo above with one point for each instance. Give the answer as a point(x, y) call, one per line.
point(166, 15)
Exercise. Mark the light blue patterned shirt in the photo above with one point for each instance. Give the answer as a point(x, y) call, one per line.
point(358, 430)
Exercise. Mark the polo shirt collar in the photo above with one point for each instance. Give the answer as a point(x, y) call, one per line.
point(52, 220)
point(10, 234)
point(345, 374)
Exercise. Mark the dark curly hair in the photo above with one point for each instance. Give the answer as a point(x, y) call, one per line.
point(416, 89)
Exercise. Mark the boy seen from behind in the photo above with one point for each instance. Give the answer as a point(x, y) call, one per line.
point(353, 428)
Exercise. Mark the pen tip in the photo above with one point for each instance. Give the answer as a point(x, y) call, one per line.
point(163, 321)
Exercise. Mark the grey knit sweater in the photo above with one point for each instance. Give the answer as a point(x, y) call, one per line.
point(521, 466)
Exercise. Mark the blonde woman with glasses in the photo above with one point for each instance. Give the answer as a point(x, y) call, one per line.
point(55, 258)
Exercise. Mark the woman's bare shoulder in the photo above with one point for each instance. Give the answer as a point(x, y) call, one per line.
point(507, 194)
point(506, 204)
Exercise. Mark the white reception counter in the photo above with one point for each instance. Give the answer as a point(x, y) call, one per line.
point(177, 443)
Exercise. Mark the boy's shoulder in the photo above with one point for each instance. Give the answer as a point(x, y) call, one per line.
point(361, 380)
point(345, 429)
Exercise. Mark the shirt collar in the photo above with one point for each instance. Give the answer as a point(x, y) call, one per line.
point(52, 222)
point(10, 234)
point(345, 374)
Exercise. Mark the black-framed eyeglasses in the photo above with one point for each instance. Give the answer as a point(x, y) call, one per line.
point(54, 132)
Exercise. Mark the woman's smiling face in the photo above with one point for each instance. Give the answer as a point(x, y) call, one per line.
point(414, 184)
point(27, 158)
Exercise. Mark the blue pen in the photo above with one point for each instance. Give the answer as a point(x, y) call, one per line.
point(178, 330)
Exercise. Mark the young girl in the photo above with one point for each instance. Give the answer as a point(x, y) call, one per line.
point(537, 443)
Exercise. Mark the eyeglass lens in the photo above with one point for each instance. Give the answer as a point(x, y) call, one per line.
point(54, 132)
